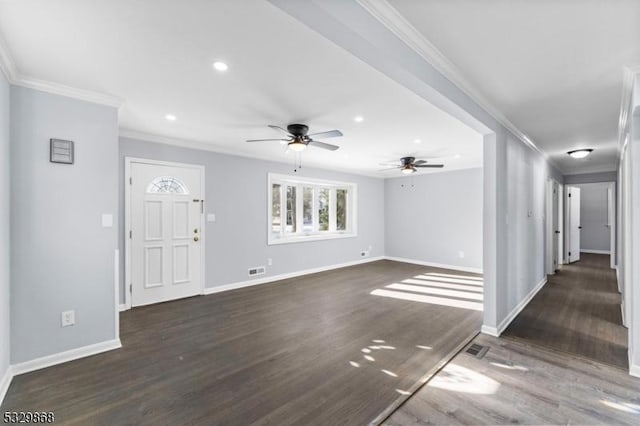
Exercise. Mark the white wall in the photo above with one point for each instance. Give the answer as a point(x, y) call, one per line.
point(236, 191)
point(62, 258)
point(5, 344)
point(433, 217)
point(594, 216)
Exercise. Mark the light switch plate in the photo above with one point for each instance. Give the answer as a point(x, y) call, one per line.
point(107, 220)
point(68, 318)
point(211, 217)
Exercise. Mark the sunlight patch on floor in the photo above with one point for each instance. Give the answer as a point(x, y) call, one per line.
point(457, 378)
point(443, 301)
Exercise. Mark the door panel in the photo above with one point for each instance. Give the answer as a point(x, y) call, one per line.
point(555, 226)
point(574, 224)
point(166, 225)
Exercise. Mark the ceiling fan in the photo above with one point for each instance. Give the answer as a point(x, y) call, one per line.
point(298, 138)
point(410, 165)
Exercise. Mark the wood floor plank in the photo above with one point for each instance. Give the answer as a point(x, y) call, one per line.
point(290, 352)
point(517, 383)
point(577, 311)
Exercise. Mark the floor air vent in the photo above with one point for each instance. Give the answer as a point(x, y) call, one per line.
point(477, 350)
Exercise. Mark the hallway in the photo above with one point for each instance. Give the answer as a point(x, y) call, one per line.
point(577, 311)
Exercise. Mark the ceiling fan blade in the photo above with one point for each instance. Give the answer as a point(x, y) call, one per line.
point(327, 134)
point(280, 129)
point(324, 145)
point(390, 168)
point(266, 140)
point(395, 163)
point(417, 162)
point(433, 166)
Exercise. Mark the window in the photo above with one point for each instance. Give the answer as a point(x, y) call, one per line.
point(303, 209)
point(166, 185)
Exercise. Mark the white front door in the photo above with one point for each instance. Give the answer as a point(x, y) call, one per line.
point(166, 232)
point(574, 224)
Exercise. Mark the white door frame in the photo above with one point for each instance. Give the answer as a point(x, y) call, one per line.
point(611, 216)
point(128, 162)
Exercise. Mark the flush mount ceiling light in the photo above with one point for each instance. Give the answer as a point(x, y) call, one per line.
point(170, 117)
point(220, 66)
point(580, 153)
point(417, 141)
point(358, 119)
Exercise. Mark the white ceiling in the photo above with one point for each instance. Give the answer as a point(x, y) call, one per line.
point(156, 55)
point(553, 68)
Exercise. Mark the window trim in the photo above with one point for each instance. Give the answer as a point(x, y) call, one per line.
point(300, 182)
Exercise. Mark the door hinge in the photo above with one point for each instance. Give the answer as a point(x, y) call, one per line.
point(569, 195)
point(130, 234)
point(130, 288)
point(569, 254)
point(130, 181)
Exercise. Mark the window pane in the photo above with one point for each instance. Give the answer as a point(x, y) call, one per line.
point(276, 203)
point(341, 209)
point(167, 184)
point(323, 209)
point(307, 209)
point(291, 209)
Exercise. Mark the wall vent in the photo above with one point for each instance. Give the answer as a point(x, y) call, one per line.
point(258, 270)
point(477, 350)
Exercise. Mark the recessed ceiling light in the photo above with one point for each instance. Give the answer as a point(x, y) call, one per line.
point(580, 153)
point(358, 119)
point(417, 141)
point(220, 66)
point(170, 117)
point(457, 156)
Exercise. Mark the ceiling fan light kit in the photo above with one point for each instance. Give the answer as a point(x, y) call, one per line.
point(298, 137)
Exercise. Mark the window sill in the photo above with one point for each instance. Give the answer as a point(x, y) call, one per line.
point(305, 238)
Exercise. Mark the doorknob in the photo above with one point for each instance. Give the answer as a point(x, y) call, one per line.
point(196, 239)
point(557, 232)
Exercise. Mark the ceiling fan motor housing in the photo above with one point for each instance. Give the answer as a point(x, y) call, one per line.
point(298, 129)
point(405, 161)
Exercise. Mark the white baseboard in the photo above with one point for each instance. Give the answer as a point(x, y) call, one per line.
point(265, 280)
point(435, 265)
point(122, 307)
point(595, 251)
point(491, 331)
point(5, 381)
point(59, 358)
point(497, 331)
point(634, 370)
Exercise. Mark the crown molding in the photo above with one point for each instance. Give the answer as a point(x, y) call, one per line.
point(629, 75)
point(71, 92)
point(11, 72)
point(405, 31)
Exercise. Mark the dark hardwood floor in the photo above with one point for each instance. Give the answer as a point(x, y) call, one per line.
point(319, 349)
point(577, 311)
point(517, 383)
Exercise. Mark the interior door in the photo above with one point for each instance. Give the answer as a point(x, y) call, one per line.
point(166, 232)
point(574, 223)
point(555, 225)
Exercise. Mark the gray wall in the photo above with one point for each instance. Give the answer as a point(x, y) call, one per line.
point(433, 217)
point(594, 216)
point(236, 191)
point(62, 258)
point(591, 178)
point(4, 228)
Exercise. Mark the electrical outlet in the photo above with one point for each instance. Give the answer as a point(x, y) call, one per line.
point(68, 318)
point(269, 262)
point(461, 254)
